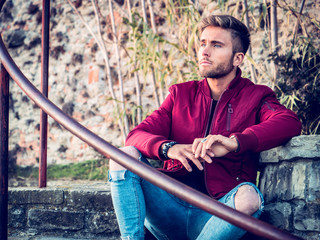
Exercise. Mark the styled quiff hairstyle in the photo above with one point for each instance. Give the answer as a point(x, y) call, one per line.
point(239, 32)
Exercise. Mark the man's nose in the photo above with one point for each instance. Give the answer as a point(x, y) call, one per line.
point(205, 52)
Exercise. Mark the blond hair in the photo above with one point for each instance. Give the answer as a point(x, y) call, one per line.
point(239, 32)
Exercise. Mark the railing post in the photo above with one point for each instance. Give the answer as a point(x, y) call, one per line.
point(4, 158)
point(44, 90)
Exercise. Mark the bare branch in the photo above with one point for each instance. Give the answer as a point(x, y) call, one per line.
point(252, 71)
point(136, 76)
point(125, 118)
point(144, 12)
point(102, 47)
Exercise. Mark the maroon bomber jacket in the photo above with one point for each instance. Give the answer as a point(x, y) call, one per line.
point(250, 112)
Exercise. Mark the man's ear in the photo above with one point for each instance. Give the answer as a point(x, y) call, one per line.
point(238, 59)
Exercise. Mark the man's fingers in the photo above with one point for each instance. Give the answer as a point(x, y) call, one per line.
point(195, 144)
point(190, 156)
point(198, 150)
point(210, 153)
point(186, 154)
point(203, 151)
point(214, 139)
point(185, 163)
point(208, 157)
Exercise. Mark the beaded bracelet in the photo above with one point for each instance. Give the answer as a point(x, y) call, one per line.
point(166, 148)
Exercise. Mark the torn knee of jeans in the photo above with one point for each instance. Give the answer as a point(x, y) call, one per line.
point(119, 175)
point(247, 199)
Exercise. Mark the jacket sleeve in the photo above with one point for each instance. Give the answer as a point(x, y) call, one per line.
point(152, 132)
point(276, 125)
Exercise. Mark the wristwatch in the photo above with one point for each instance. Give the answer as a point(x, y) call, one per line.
point(238, 148)
point(166, 148)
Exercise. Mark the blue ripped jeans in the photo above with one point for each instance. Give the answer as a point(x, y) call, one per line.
point(138, 203)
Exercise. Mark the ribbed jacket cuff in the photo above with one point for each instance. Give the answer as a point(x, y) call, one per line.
point(247, 140)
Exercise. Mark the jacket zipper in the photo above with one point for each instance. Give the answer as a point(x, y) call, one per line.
point(207, 133)
point(230, 111)
point(210, 119)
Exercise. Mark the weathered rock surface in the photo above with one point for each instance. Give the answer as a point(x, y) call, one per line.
point(290, 183)
point(64, 211)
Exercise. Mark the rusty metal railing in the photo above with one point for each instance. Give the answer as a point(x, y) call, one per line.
point(155, 177)
point(44, 90)
point(4, 159)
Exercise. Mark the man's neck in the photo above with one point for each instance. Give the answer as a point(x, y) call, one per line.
point(218, 85)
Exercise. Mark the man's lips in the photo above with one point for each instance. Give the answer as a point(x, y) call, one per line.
point(205, 62)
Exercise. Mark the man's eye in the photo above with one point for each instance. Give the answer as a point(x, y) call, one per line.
point(217, 45)
point(202, 45)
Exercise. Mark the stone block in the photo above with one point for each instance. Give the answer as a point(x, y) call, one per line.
point(91, 200)
point(275, 182)
point(299, 179)
point(102, 222)
point(307, 216)
point(300, 147)
point(284, 181)
point(278, 214)
point(313, 182)
point(50, 219)
point(17, 217)
point(35, 196)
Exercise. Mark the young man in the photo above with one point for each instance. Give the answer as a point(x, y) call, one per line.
point(209, 134)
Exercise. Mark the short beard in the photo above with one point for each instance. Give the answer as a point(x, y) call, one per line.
point(219, 72)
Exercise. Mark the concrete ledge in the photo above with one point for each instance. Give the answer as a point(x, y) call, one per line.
point(300, 147)
point(36, 196)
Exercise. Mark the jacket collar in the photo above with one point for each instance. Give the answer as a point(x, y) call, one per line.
point(236, 81)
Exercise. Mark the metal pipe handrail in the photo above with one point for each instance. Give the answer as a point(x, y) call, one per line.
point(157, 178)
point(44, 90)
point(4, 155)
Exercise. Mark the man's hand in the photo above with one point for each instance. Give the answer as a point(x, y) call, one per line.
point(213, 146)
point(183, 153)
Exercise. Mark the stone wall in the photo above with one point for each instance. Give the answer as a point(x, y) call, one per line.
point(290, 182)
point(77, 76)
point(66, 211)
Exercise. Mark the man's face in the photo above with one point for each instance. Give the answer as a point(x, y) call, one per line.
point(215, 53)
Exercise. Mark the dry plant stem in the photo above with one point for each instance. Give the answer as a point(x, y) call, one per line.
point(154, 29)
point(119, 9)
point(129, 11)
point(297, 22)
point(297, 15)
point(274, 37)
point(86, 25)
point(153, 23)
point(144, 12)
point(115, 38)
point(139, 102)
point(106, 59)
point(155, 87)
point(136, 76)
point(274, 25)
point(152, 69)
point(196, 4)
point(252, 70)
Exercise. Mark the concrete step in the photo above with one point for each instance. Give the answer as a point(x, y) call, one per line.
point(67, 210)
